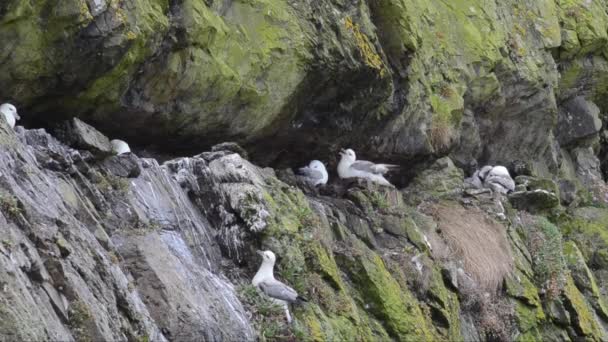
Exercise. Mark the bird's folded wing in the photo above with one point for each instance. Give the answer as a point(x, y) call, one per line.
point(310, 173)
point(506, 181)
point(369, 167)
point(278, 290)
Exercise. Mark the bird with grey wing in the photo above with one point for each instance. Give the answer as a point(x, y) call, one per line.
point(495, 178)
point(350, 167)
point(315, 173)
point(279, 292)
point(9, 112)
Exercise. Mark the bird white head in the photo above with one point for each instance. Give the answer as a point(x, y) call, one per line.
point(120, 147)
point(317, 165)
point(268, 257)
point(348, 155)
point(10, 113)
point(484, 171)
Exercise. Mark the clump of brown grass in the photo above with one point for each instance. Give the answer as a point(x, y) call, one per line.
point(496, 318)
point(478, 241)
point(441, 134)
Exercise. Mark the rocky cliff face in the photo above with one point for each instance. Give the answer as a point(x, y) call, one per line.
point(417, 78)
point(96, 247)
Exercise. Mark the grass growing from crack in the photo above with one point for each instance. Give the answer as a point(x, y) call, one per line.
point(79, 319)
point(379, 200)
point(545, 244)
point(9, 205)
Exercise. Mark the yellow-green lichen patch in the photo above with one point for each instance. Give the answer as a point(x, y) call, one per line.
point(584, 278)
point(395, 307)
point(581, 315)
point(528, 319)
point(587, 227)
point(519, 286)
point(585, 24)
point(445, 306)
point(367, 50)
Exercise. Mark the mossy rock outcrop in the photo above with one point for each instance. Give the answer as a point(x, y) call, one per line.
point(424, 77)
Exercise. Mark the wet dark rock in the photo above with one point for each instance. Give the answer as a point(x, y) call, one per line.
point(578, 121)
point(230, 147)
point(521, 168)
point(83, 136)
point(567, 192)
point(124, 165)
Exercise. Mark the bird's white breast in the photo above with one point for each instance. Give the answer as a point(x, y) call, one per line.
point(9, 118)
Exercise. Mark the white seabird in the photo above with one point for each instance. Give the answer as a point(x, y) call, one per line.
point(350, 167)
point(315, 173)
point(499, 180)
point(279, 292)
point(10, 114)
point(120, 147)
point(496, 178)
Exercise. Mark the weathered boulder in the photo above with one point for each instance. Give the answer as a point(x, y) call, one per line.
point(125, 166)
point(442, 178)
point(81, 135)
point(534, 200)
point(578, 121)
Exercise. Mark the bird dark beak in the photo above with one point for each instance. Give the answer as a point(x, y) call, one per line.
point(342, 151)
point(17, 117)
point(260, 253)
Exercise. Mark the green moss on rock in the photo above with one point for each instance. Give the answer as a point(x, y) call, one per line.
point(582, 317)
point(395, 307)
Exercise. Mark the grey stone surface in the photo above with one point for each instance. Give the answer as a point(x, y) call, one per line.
point(578, 120)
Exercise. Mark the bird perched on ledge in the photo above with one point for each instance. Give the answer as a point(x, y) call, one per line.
point(314, 174)
point(10, 114)
point(496, 178)
point(278, 291)
point(120, 147)
point(350, 167)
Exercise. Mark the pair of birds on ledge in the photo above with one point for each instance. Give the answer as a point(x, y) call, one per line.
point(10, 115)
point(348, 167)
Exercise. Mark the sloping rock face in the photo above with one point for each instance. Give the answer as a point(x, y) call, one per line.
point(87, 255)
point(90, 254)
point(415, 78)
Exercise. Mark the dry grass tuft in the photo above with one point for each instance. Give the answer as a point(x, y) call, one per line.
point(481, 243)
point(441, 135)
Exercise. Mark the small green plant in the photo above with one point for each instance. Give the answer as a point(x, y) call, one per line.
point(9, 205)
point(307, 217)
point(118, 183)
point(114, 257)
point(379, 200)
point(545, 245)
point(446, 91)
point(143, 228)
point(7, 244)
point(79, 318)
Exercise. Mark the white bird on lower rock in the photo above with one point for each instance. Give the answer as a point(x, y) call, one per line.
point(315, 173)
point(120, 147)
point(350, 167)
point(496, 178)
point(10, 114)
point(499, 179)
point(278, 291)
